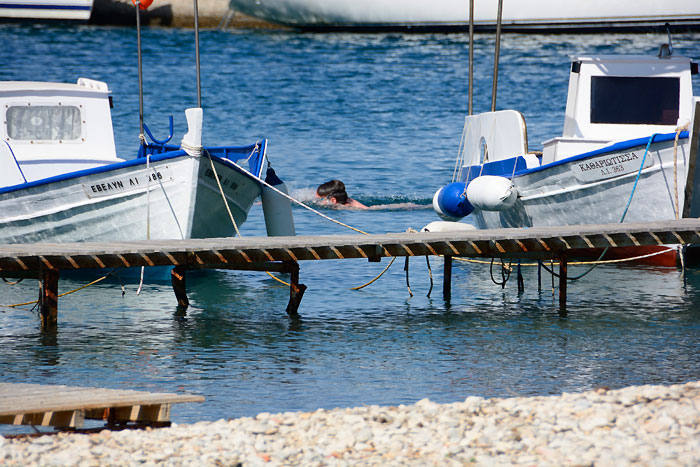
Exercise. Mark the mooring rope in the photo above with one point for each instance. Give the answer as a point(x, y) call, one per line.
point(676, 206)
point(624, 214)
point(575, 263)
point(223, 196)
point(430, 274)
point(300, 203)
point(278, 279)
point(504, 277)
point(148, 207)
point(405, 268)
point(376, 278)
point(305, 206)
point(12, 282)
point(228, 209)
point(64, 293)
point(294, 200)
point(675, 167)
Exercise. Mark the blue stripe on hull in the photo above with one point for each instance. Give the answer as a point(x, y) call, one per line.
point(120, 165)
point(505, 167)
point(17, 6)
point(621, 146)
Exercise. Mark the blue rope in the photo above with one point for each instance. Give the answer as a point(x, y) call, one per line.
point(634, 187)
point(639, 173)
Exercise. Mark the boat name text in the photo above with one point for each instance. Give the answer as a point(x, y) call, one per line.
point(615, 162)
point(601, 168)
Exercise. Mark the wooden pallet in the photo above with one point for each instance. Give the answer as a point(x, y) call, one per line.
point(69, 407)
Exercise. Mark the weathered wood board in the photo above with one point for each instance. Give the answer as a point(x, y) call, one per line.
point(64, 406)
point(254, 252)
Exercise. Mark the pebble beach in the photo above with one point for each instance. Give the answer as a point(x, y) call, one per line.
point(640, 425)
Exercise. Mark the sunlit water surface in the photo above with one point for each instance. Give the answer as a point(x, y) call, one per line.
point(384, 114)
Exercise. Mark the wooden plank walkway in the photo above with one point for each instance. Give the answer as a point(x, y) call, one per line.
point(282, 254)
point(236, 253)
point(68, 407)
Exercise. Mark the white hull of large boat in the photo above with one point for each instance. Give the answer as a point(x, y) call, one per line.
point(47, 9)
point(180, 199)
point(524, 14)
point(596, 190)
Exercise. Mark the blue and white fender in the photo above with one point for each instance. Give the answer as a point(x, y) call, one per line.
point(450, 202)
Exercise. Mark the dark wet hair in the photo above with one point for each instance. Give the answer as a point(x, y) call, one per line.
point(341, 197)
point(328, 188)
point(333, 189)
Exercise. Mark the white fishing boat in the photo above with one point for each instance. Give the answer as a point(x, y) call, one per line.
point(627, 153)
point(61, 180)
point(522, 15)
point(74, 10)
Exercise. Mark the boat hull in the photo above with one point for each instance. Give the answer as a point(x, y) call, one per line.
point(66, 10)
point(174, 197)
point(595, 189)
point(534, 15)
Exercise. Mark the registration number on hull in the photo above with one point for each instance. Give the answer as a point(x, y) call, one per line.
point(123, 183)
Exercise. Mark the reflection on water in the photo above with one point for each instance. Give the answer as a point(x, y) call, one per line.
point(236, 346)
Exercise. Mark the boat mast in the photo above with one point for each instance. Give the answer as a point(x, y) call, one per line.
point(142, 137)
point(196, 53)
point(495, 59)
point(471, 55)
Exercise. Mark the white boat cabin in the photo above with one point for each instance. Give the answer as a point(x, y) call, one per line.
point(50, 129)
point(613, 98)
point(610, 99)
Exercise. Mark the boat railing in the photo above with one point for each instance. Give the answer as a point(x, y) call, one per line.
point(250, 157)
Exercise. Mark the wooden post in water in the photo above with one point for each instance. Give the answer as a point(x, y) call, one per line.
point(177, 278)
point(447, 279)
point(296, 290)
point(48, 297)
point(562, 284)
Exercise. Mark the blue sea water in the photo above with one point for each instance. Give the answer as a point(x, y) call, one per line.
point(383, 113)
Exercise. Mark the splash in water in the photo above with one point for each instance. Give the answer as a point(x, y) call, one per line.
point(373, 203)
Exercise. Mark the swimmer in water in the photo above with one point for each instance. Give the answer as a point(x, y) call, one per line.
point(334, 193)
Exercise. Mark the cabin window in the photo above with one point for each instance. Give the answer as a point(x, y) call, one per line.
point(634, 100)
point(43, 122)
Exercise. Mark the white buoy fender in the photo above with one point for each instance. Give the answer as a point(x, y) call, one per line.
point(492, 193)
point(450, 202)
point(277, 209)
point(447, 226)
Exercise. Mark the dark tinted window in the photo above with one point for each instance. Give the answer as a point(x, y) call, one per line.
point(652, 101)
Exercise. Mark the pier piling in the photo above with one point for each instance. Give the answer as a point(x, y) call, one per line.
point(563, 278)
point(48, 297)
point(283, 254)
point(296, 290)
point(177, 277)
point(447, 279)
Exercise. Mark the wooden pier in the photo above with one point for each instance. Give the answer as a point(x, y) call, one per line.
point(282, 254)
point(68, 407)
